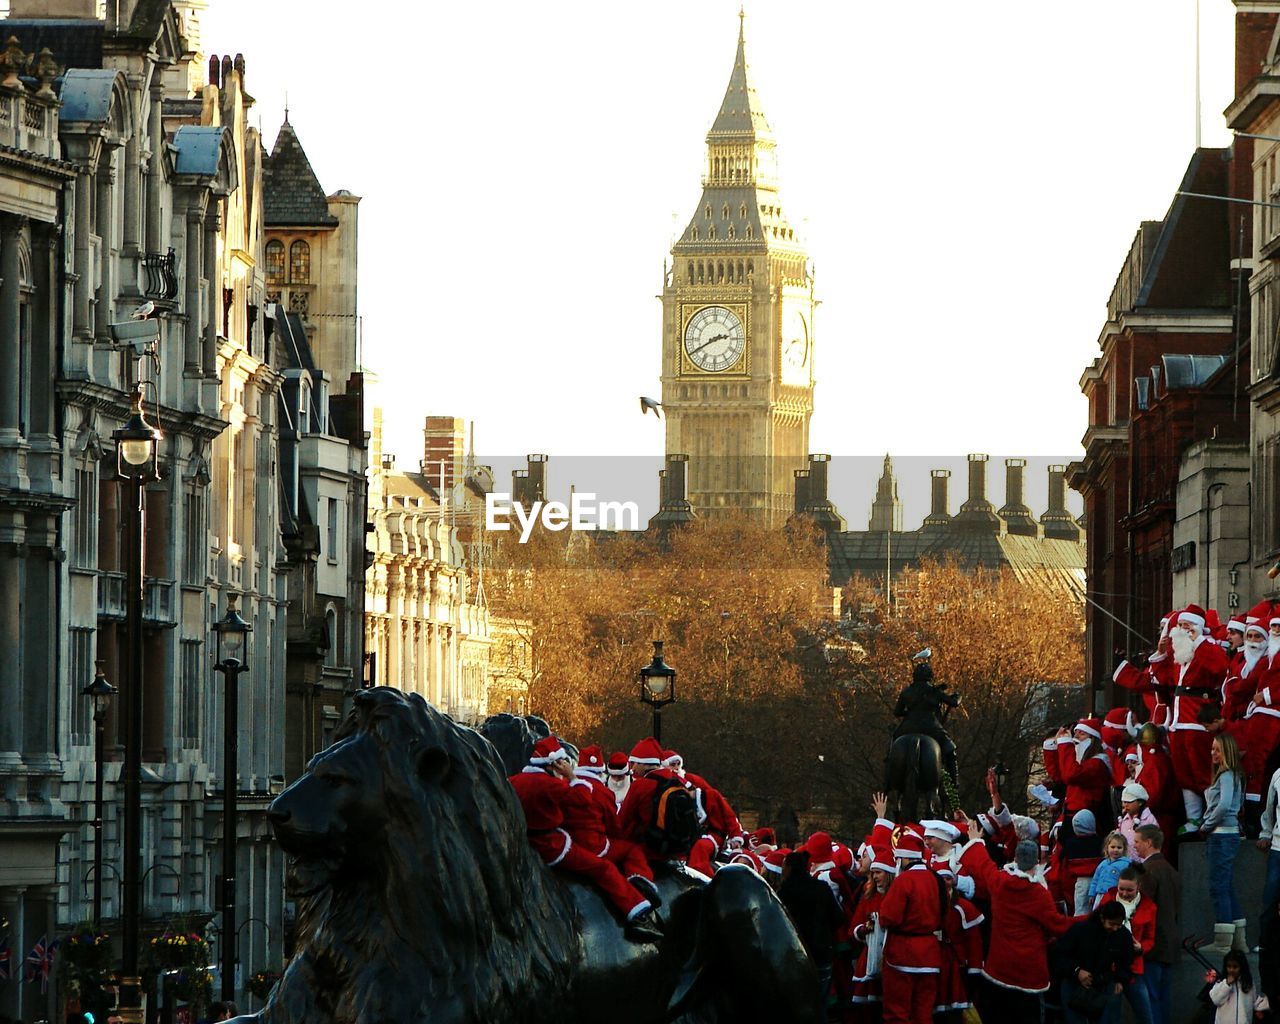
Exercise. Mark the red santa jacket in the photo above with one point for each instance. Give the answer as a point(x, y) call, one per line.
point(1155, 772)
point(1196, 684)
point(867, 908)
point(1142, 923)
point(912, 917)
point(1023, 922)
point(1088, 781)
point(722, 822)
point(589, 815)
point(1266, 679)
point(1144, 682)
point(1239, 686)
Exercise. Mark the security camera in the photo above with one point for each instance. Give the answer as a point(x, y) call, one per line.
point(139, 336)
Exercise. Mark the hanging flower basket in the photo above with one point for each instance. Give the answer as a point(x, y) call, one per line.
point(185, 956)
point(84, 958)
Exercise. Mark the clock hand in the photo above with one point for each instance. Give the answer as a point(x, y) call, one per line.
point(711, 341)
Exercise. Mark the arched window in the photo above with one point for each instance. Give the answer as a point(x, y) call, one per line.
point(733, 232)
point(749, 231)
point(331, 628)
point(701, 272)
point(275, 262)
point(695, 234)
point(724, 212)
point(707, 211)
point(739, 270)
point(691, 272)
point(711, 232)
point(299, 263)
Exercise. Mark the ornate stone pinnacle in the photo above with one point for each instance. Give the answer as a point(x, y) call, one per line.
point(13, 62)
point(46, 70)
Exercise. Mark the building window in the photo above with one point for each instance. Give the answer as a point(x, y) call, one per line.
point(275, 262)
point(85, 517)
point(299, 263)
point(331, 629)
point(332, 550)
point(197, 539)
point(82, 669)
point(189, 693)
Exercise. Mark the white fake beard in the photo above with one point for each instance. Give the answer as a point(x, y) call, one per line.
point(1273, 645)
point(1183, 645)
point(1253, 652)
point(1081, 747)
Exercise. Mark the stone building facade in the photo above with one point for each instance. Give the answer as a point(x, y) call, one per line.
point(133, 182)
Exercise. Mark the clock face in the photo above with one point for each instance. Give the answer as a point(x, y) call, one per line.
point(795, 341)
point(714, 339)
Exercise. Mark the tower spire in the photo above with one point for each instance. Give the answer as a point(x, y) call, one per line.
point(740, 112)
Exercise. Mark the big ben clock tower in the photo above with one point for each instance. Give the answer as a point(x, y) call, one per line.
point(737, 324)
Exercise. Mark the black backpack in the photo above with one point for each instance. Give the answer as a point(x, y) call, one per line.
point(675, 825)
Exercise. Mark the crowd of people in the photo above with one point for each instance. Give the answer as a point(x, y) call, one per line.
point(994, 916)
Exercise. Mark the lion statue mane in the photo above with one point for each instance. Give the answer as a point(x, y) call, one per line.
point(421, 901)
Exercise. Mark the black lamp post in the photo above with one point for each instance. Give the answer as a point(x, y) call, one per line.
point(137, 464)
point(100, 692)
point(657, 687)
point(233, 634)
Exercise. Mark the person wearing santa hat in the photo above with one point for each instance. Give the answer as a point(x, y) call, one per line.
point(869, 932)
point(762, 839)
point(913, 915)
point(591, 819)
point(1153, 769)
point(961, 950)
point(618, 777)
point(1262, 720)
point(542, 795)
point(720, 820)
point(1118, 732)
point(636, 817)
point(1245, 670)
point(1151, 681)
point(773, 863)
point(941, 838)
point(1024, 920)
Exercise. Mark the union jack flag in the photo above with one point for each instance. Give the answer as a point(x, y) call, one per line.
point(40, 962)
point(5, 971)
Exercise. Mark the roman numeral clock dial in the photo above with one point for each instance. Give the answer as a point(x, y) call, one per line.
point(715, 339)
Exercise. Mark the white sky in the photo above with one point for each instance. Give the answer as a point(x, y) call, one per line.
point(967, 177)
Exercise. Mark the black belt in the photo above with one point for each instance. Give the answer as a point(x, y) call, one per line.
point(1195, 691)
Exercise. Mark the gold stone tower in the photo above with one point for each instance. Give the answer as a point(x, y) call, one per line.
point(737, 324)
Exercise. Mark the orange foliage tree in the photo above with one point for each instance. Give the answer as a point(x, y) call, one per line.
point(781, 703)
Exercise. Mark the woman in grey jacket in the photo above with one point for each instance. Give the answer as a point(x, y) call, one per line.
point(1222, 831)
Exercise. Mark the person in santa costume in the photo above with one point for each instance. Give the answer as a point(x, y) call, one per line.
point(636, 816)
point(720, 820)
point(1243, 675)
point(542, 796)
point(867, 993)
point(1150, 681)
point(1080, 762)
point(618, 776)
point(591, 819)
point(1153, 770)
point(961, 950)
point(1197, 667)
point(912, 914)
point(1119, 731)
point(941, 838)
point(1262, 721)
point(1024, 921)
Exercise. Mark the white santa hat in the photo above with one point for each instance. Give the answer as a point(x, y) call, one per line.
point(882, 860)
point(1235, 624)
point(1257, 627)
point(935, 828)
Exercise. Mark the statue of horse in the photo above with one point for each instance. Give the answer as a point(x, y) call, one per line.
point(912, 773)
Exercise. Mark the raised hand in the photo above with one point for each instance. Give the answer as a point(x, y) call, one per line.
point(880, 804)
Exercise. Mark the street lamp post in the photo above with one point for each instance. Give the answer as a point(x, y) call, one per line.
point(232, 632)
point(100, 692)
point(137, 464)
point(657, 687)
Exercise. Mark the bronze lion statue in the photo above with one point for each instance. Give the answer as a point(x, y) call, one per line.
point(420, 901)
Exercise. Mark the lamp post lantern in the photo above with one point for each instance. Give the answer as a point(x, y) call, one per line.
point(100, 692)
point(657, 687)
point(233, 634)
point(137, 464)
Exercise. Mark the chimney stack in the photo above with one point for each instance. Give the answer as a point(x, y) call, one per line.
point(811, 495)
point(1058, 523)
point(530, 485)
point(939, 500)
point(977, 513)
point(1017, 517)
point(674, 508)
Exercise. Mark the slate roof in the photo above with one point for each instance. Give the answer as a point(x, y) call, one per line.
point(291, 193)
point(740, 111)
point(1055, 564)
